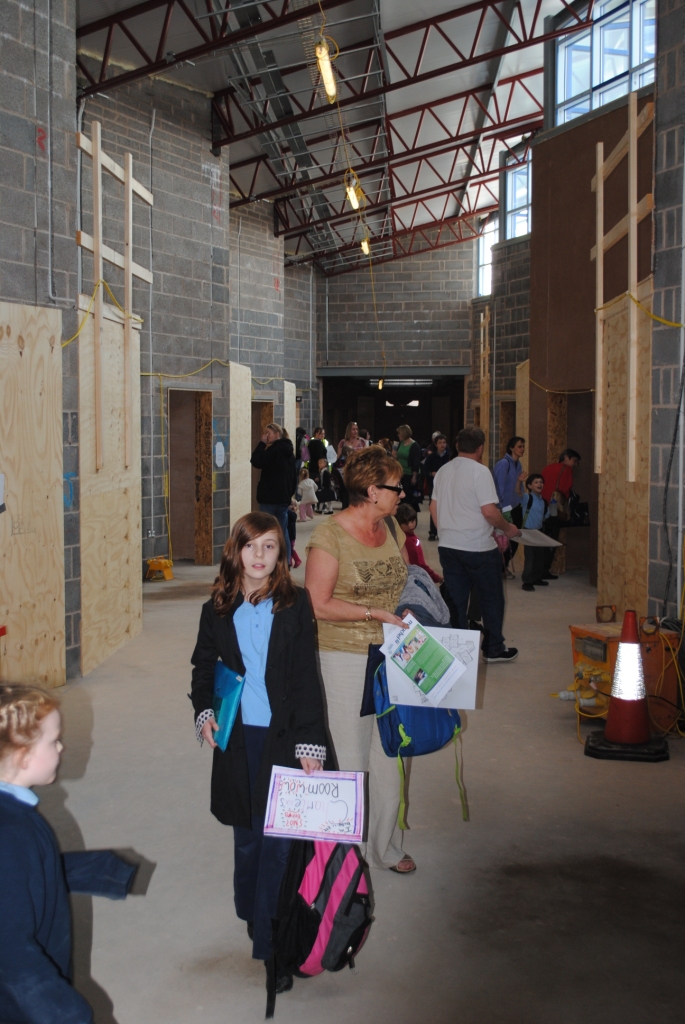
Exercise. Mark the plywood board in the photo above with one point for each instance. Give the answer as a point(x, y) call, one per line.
point(239, 438)
point(111, 554)
point(289, 409)
point(523, 400)
point(623, 520)
point(32, 527)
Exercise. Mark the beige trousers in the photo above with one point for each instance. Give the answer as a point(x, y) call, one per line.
point(358, 749)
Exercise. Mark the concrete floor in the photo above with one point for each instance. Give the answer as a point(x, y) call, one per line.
point(560, 902)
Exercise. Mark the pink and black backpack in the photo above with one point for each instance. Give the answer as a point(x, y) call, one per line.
point(324, 910)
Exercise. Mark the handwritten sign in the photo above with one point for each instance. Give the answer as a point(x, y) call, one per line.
point(327, 806)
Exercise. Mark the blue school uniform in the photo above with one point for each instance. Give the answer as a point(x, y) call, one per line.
point(35, 919)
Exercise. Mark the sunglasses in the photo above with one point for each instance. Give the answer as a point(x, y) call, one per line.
point(389, 487)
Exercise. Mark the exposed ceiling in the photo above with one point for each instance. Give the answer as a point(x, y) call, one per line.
point(424, 108)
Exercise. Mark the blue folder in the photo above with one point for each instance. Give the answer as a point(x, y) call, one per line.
point(228, 690)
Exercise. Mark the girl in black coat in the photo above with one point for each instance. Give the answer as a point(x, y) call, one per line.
point(260, 625)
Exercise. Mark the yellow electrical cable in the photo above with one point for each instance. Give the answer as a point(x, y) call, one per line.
point(652, 316)
point(130, 316)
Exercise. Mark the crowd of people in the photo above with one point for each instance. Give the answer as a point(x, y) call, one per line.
point(302, 653)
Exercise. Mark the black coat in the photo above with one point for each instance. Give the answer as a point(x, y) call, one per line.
point(278, 478)
point(295, 696)
point(317, 451)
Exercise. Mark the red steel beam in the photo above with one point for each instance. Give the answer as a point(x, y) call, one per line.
point(524, 36)
point(424, 238)
point(224, 38)
point(518, 125)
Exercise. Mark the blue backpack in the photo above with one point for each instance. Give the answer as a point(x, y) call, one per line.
point(405, 730)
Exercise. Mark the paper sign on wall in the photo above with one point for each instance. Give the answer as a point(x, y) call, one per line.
point(327, 806)
point(219, 454)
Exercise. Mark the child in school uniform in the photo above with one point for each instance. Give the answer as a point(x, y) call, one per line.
point(406, 517)
point(325, 493)
point(535, 511)
point(260, 625)
point(308, 499)
point(35, 879)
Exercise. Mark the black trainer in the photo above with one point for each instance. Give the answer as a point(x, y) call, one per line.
point(527, 586)
point(508, 654)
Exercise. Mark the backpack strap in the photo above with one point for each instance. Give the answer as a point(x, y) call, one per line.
point(390, 523)
point(528, 508)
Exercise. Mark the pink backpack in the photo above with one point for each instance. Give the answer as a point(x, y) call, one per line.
point(324, 910)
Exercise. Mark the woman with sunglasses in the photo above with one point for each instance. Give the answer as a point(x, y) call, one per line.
point(356, 571)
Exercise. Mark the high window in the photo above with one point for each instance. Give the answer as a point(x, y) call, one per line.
point(518, 195)
point(614, 57)
point(486, 241)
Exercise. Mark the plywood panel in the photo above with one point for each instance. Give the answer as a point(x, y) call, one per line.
point(239, 438)
point(111, 579)
point(523, 400)
point(289, 403)
point(32, 527)
point(623, 527)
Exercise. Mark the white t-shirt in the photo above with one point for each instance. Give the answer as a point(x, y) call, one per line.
point(460, 488)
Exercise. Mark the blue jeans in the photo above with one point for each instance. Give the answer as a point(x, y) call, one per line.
point(280, 512)
point(481, 570)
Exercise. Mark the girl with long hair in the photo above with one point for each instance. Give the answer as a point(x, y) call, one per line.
point(260, 625)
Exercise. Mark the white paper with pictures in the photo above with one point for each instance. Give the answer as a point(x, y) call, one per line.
point(464, 644)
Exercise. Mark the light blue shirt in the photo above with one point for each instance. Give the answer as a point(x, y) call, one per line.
point(20, 793)
point(534, 517)
point(253, 625)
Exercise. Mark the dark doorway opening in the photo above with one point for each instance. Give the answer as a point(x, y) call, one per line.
point(425, 404)
point(190, 475)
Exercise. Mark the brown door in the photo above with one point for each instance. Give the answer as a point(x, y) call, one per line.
point(190, 475)
point(262, 414)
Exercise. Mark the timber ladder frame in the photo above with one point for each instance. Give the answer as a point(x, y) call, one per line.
point(637, 211)
point(102, 162)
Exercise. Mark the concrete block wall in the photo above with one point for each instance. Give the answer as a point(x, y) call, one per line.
point(509, 329)
point(668, 192)
point(189, 325)
point(37, 61)
point(302, 285)
point(257, 299)
point(423, 312)
point(510, 338)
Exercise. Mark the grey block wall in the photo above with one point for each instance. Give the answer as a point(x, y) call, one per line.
point(189, 325)
point(302, 286)
point(510, 337)
point(670, 137)
point(509, 329)
point(423, 312)
point(36, 144)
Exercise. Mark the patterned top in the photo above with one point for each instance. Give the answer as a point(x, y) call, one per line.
point(371, 577)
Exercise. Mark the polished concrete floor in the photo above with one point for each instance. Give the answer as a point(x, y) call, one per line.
point(561, 901)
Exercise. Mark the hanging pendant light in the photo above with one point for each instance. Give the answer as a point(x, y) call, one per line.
point(355, 193)
point(323, 59)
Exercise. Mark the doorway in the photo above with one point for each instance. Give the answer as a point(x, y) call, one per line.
point(190, 475)
point(262, 415)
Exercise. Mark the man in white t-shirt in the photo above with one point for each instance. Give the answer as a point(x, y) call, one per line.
point(465, 508)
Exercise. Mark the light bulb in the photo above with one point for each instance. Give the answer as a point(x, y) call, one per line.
point(353, 197)
point(365, 246)
point(380, 384)
point(323, 59)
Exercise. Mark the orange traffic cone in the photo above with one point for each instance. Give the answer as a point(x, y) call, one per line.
point(627, 735)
